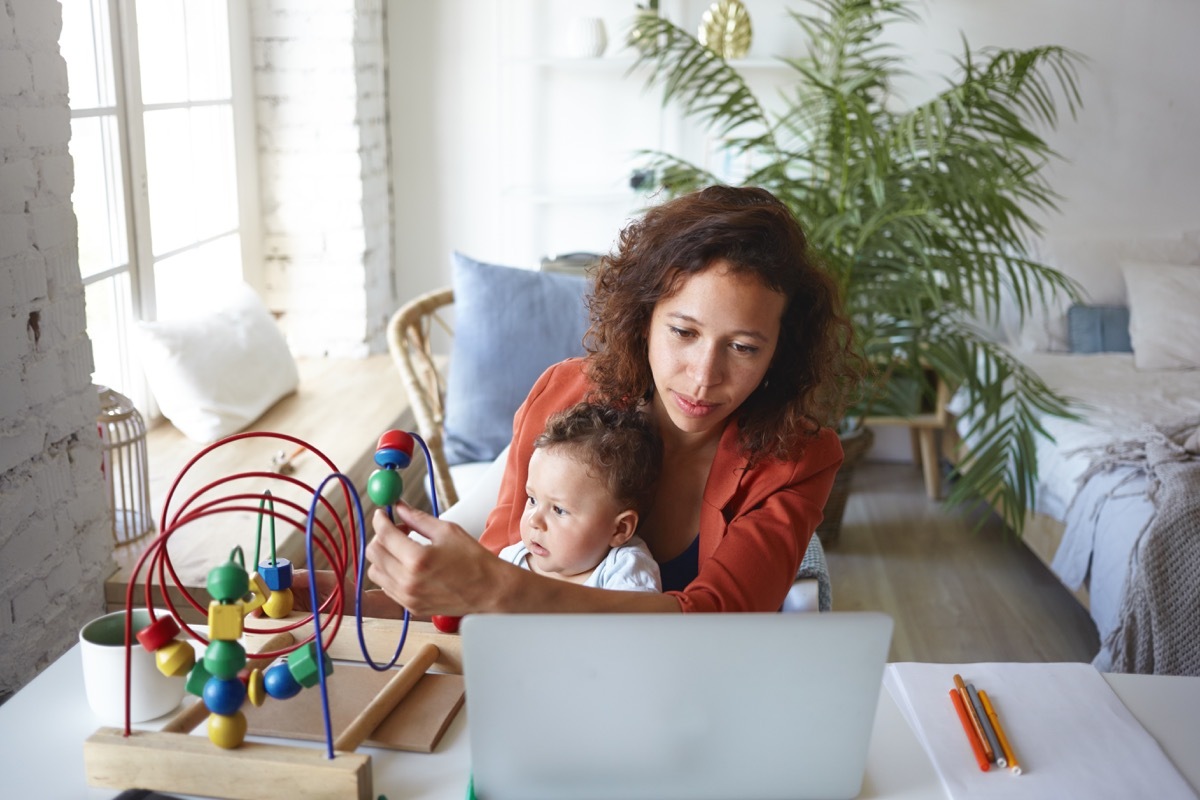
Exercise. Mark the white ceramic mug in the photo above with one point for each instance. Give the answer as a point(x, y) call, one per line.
point(102, 647)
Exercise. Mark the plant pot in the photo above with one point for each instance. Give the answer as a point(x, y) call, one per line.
point(855, 445)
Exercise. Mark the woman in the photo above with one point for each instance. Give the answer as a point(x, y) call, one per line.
point(713, 320)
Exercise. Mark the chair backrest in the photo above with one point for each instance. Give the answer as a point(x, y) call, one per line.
point(409, 335)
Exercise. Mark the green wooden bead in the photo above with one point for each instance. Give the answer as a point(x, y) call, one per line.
point(302, 663)
point(228, 582)
point(384, 487)
point(224, 658)
point(197, 678)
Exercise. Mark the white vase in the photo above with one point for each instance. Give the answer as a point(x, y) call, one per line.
point(587, 38)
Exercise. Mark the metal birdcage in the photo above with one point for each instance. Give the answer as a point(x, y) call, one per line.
point(126, 476)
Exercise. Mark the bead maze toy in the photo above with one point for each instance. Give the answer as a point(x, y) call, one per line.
point(298, 654)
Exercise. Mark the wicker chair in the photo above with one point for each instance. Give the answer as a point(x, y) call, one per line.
point(409, 340)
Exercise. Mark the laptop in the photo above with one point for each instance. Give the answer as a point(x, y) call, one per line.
point(661, 706)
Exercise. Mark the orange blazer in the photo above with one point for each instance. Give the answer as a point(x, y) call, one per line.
point(755, 524)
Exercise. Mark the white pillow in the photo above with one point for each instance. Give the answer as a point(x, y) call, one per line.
point(215, 374)
point(1164, 323)
point(1096, 262)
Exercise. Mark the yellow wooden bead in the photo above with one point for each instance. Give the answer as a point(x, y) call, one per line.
point(258, 594)
point(256, 693)
point(227, 731)
point(279, 604)
point(175, 658)
point(225, 621)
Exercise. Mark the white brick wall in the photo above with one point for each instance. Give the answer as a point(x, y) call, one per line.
point(320, 79)
point(55, 551)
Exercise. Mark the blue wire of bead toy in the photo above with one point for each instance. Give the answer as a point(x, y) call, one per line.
point(362, 544)
point(362, 561)
point(312, 591)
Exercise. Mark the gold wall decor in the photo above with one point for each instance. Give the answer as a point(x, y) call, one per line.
point(725, 29)
point(126, 475)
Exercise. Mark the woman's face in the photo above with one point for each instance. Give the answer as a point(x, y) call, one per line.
point(710, 345)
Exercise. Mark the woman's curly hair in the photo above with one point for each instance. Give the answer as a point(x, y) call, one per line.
point(814, 367)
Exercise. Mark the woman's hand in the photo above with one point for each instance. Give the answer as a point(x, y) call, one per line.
point(452, 575)
point(374, 602)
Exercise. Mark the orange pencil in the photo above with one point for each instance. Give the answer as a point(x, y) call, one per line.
point(1004, 745)
point(976, 723)
point(969, 730)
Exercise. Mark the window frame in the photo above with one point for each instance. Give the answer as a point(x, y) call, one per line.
point(129, 112)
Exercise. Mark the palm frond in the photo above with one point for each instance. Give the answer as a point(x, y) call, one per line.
point(923, 215)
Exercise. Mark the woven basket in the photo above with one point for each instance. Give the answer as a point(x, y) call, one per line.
point(855, 444)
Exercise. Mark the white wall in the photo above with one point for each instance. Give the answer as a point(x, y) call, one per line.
point(1132, 163)
point(443, 115)
point(1132, 160)
point(320, 69)
point(55, 550)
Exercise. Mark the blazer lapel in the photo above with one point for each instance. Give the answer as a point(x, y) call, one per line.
point(723, 479)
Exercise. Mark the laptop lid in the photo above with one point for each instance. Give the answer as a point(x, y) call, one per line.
point(666, 706)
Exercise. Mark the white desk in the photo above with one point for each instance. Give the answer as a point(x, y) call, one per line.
point(43, 727)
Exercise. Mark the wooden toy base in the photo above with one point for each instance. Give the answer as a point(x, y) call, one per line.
point(416, 725)
point(179, 762)
point(176, 762)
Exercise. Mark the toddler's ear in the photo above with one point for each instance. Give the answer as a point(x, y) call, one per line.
point(624, 526)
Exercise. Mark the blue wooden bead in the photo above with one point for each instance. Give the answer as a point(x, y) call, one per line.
point(279, 683)
point(385, 487)
point(392, 459)
point(277, 574)
point(224, 696)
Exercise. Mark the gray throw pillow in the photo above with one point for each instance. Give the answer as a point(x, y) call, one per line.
point(1098, 329)
point(509, 325)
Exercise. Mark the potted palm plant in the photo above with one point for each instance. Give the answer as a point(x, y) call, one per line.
point(924, 214)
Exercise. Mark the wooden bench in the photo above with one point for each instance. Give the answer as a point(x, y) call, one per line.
point(341, 408)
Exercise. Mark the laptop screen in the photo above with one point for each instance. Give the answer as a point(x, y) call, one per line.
point(659, 706)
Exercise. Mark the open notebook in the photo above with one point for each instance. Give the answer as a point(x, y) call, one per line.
point(1073, 735)
point(664, 706)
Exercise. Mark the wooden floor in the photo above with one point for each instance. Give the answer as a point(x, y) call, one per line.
point(955, 595)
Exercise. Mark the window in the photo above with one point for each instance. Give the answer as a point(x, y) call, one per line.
point(156, 152)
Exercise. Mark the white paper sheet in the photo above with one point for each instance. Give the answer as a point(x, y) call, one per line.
point(1071, 733)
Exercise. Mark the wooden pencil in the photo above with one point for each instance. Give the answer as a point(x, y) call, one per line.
point(969, 730)
point(975, 723)
point(1009, 755)
point(988, 731)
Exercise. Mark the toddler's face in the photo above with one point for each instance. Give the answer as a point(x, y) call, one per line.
point(570, 520)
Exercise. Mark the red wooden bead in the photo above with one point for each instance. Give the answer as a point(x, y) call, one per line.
point(395, 449)
point(156, 634)
point(446, 624)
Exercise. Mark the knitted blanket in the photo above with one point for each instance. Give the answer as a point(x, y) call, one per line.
point(1157, 630)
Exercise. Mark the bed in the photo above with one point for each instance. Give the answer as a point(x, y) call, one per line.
point(1117, 516)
